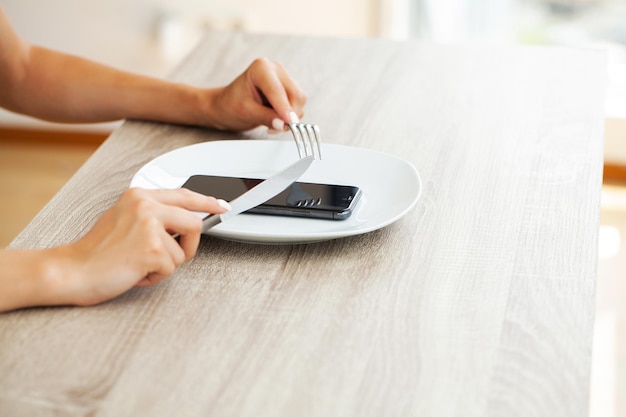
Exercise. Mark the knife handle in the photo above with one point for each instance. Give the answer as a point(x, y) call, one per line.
point(207, 223)
point(210, 221)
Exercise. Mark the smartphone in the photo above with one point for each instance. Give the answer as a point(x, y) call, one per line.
point(300, 199)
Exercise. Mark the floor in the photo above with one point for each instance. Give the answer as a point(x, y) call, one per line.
point(32, 172)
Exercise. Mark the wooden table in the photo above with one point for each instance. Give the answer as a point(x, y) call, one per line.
point(479, 302)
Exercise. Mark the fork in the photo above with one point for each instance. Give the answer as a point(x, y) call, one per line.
point(308, 139)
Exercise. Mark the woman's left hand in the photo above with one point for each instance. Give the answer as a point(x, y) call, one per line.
point(265, 94)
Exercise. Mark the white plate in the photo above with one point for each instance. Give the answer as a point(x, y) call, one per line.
point(390, 186)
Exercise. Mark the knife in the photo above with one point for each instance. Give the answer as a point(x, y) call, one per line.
point(260, 193)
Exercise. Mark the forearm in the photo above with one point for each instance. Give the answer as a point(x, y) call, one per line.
point(59, 87)
point(35, 278)
point(65, 88)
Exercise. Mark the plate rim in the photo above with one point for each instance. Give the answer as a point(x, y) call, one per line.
point(261, 237)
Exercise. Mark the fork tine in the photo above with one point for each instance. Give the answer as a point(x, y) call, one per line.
point(304, 131)
point(309, 134)
point(307, 138)
point(318, 139)
point(297, 137)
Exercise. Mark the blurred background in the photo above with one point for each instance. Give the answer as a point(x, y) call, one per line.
point(152, 36)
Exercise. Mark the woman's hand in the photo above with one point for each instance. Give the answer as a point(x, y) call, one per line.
point(264, 94)
point(132, 243)
point(65, 88)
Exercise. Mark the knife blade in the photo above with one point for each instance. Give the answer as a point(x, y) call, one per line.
point(260, 193)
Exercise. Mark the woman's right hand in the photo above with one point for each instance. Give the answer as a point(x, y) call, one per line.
point(132, 244)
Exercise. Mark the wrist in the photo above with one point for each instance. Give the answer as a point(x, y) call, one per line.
point(39, 277)
point(59, 277)
point(205, 106)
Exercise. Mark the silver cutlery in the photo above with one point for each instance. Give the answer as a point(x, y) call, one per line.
point(260, 193)
point(308, 139)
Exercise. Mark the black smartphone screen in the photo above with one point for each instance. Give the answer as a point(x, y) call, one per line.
point(300, 199)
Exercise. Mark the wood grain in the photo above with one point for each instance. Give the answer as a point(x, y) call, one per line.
point(479, 302)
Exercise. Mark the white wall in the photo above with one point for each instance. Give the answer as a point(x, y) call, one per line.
point(125, 33)
point(112, 31)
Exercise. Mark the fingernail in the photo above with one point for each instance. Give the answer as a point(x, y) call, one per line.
point(278, 124)
point(223, 204)
point(293, 117)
